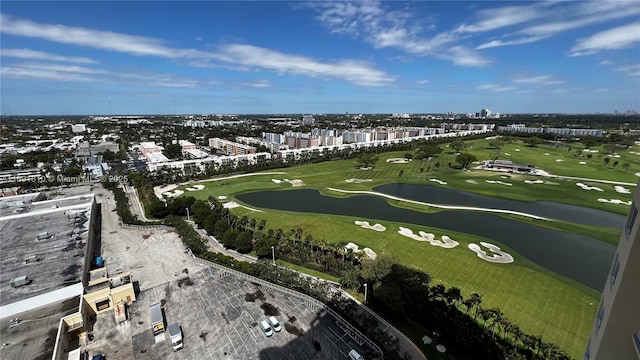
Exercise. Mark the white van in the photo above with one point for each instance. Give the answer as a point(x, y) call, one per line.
point(266, 328)
point(275, 324)
point(353, 355)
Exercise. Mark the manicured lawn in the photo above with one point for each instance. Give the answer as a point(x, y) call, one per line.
point(539, 301)
point(307, 271)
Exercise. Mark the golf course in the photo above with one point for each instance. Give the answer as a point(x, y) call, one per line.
point(539, 300)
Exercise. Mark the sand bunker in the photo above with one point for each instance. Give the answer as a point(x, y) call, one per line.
point(615, 201)
point(582, 163)
point(195, 188)
point(586, 187)
point(507, 154)
point(634, 152)
point(614, 156)
point(366, 225)
point(174, 193)
point(471, 181)
point(498, 182)
point(446, 241)
point(621, 189)
point(534, 181)
point(358, 181)
point(294, 182)
point(517, 149)
point(439, 181)
point(637, 174)
point(546, 154)
point(231, 205)
point(222, 197)
point(498, 255)
point(398, 160)
point(559, 160)
point(355, 248)
point(589, 150)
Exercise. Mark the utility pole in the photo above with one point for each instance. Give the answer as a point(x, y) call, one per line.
point(273, 256)
point(365, 293)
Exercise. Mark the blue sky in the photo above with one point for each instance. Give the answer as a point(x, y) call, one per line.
point(161, 57)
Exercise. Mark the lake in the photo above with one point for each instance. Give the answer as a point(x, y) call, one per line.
point(583, 259)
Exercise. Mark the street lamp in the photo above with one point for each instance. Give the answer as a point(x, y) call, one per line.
point(188, 218)
point(365, 293)
point(273, 255)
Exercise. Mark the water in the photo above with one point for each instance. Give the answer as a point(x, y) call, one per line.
point(577, 257)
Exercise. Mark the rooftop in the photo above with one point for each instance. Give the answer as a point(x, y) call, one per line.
point(43, 240)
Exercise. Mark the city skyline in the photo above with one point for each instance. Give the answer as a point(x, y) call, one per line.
point(67, 58)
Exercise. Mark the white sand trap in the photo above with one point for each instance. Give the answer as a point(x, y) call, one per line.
point(634, 152)
point(559, 160)
point(507, 154)
point(174, 193)
point(546, 154)
point(370, 253)
point(398, 160)
point(586, 187)
point(296, 183)
point(191, 189)
point(517, 149)
point(439, 181)
point(365, 168)
point(637, 174)
point(498, 256)
point(167, 193)
point(498, 182)
point(222, 197)
point(366, 225)
point(582, 163)
point(353, 247)
point(614, 201)
point(471, 181)
point(358, 181)
point(446, 241)
point(534, 181)
point(276, 181)
point(615, 156)
point(589, 150)
point(231, 205)
point(621, 189)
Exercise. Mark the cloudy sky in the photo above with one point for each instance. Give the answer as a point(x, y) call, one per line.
point(161, 57)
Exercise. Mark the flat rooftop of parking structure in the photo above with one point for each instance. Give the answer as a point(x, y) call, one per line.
point(45, 241)
point(219, 314)
point(35, 336)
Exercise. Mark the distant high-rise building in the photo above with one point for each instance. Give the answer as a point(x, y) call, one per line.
point(616, 330)
point(485, 113)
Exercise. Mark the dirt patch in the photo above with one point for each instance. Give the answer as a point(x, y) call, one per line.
point(317, 346)
point(252, 297)
point(203, 336)
point(269, 309)
point(292, 319)
point(146, 236)
point(293, 330)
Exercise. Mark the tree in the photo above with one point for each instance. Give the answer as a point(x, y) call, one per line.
point(606, 160)
point(457, 145)
point(428, 150)
point(533, 141)
point(626, 166)
point(350, 279)
point(408, 156)
point(244, 242)
point(173, 151)
point(465, 159)
point(229, 238)
point(615, 163)
point(366, 159)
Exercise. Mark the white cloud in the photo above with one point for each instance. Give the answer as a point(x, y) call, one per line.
point(495, 87)
point(541, 79)
point(239, 57)
point(498, 43)
point(357, 72)
point(605, 62)
point(422, 82)
point(40, 55)
point(630, 70)
point(496, 18)
point(394, 29)
point(612, 39)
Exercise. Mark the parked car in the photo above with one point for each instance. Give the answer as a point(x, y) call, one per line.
point(266, 328)
point(275, 324)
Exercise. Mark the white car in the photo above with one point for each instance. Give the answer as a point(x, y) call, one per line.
point(266, 328)
point(275, 324)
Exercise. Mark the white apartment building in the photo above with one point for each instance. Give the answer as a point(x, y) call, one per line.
point(616, 329)
point(78, 128)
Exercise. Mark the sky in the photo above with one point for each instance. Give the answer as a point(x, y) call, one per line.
point(280, 57)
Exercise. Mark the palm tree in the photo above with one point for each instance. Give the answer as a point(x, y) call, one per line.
point(476, 300)
point(438, 291)
point(452, 295)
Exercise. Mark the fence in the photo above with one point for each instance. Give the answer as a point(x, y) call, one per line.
point(310, 302)
point(145, 226)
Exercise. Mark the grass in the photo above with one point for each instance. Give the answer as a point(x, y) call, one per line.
point(307, 271)
point(558, 309)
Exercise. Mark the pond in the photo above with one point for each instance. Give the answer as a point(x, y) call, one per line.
point(583, 259)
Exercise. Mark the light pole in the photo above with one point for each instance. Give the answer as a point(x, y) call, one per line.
point(365, 293)
point(188, 218)
point(273, 255)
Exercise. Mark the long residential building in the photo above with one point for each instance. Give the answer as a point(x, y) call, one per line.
point(616, 329)
point(230, 147)
point(547, 130)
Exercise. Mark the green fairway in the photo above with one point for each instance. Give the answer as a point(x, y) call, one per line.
point(539, 301)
